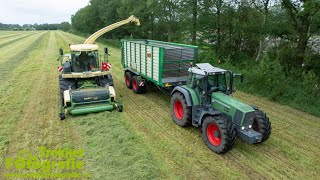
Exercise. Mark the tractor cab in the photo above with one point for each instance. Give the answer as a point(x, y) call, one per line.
point(207, 79)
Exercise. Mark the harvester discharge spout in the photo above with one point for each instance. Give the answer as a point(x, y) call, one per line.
point(91, 39)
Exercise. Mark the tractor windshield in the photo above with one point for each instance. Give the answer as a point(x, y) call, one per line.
point(217, 82)
point(84, 61)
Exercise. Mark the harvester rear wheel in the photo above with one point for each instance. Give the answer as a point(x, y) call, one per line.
point(180, 112)
point(218, 134)
point(262, 124)
point(128, 79)
point(137, 87)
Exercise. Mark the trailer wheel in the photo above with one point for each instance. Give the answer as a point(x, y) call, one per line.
point(218, 134)
point(137, 87)
point(180, 112)
point(128, 79)
point(262, 124)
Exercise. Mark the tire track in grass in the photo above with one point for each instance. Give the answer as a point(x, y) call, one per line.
point(15, 40)
point(114, 148)
point(38, 124)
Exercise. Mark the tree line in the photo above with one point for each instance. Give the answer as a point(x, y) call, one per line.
point(65, 26)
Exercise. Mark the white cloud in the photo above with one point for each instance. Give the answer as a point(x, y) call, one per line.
point(38, 11)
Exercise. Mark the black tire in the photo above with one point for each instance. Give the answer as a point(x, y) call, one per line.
point(65, 84)
point(180, 112)
point(136, 86)
point(218, 134)
point(106, 79)
point(120, 108)
point(62, 116)
point(128, 79)
point(262, 124)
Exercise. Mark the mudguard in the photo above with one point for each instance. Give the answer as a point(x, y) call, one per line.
point(185, 92)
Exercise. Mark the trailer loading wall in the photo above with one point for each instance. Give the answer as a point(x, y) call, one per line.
point(163, 63)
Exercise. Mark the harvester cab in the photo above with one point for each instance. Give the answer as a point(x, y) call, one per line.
point(206, 102)
point(86, 84)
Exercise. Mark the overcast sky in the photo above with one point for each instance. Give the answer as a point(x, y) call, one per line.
point(38, 11)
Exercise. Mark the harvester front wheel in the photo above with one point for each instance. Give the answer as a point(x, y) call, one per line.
point(180, 112)
point(106, 79)
point(120, 108)
point(62, 116)
point(128, 79)
point(65, 84)
point(262, 124)
point(218, 133)
point(138, 86)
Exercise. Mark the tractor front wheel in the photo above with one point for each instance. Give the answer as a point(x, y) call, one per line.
point(262, 124)
point(180, 112)
point(128, 79)
point(218, 134)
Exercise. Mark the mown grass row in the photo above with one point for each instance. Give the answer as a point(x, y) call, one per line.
point(29, 115)
point(15, 89)
point(2, 45)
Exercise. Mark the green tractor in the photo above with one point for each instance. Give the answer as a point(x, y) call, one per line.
point(205, 101)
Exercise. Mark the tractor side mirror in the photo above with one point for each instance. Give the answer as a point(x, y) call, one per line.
point(240, 75)
point(106, 51)
point(61, 51)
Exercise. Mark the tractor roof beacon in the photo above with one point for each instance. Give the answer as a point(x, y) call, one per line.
point(200, 93)
point(86, 85)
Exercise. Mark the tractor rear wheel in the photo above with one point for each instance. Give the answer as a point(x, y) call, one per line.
point(128, 79)
point(218, 133)
point(137, 87)
point(180, 112)
point(262, 124)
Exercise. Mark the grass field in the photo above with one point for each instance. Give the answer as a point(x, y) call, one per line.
point(142, 142)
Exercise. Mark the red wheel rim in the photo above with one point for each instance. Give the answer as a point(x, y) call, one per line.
point(178, 109)
point(213, 134)
point(127, 80)
point(134, 84)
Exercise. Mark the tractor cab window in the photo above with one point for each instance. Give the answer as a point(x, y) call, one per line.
point(217, 82)
point(198, 81)
point(84, 61)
